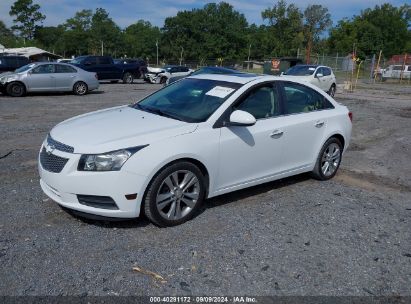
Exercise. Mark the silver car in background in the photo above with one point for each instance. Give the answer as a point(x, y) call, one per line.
point(48, 77)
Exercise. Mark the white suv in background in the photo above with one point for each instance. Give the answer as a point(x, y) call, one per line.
point(318, 75)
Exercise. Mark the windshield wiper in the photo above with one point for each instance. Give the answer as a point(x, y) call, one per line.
point(158, 112)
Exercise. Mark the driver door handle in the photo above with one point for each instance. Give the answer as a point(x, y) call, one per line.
point(319, 124)
point(276, 133)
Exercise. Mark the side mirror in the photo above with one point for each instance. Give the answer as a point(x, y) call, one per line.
point(282, 73)
point(319, 75)
point(242, 118)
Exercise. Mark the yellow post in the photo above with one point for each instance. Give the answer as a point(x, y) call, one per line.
point(358, 73)
point(403, 67)
point(378, 65)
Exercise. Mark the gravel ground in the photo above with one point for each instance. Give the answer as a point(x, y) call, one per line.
point(347, 236)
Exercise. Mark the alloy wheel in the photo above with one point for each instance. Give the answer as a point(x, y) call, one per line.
point(330, 159)
point(81, 88)
point(178, 194)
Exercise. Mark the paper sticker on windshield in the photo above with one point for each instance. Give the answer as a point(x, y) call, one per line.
point(220, 92)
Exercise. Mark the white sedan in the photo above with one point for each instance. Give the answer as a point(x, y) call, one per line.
point(155, 75)
point(195, 139)
point(318, 75)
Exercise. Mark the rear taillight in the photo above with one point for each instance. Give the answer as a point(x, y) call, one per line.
point(350, 115)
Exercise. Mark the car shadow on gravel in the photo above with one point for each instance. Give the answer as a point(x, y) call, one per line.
point(238, 195)
point(214, 202)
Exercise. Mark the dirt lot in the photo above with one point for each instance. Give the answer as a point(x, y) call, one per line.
point(297, 236)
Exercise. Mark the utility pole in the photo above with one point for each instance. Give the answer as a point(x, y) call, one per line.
point(181, 55)
point(157, 50)
point(102, 48)
point(248, 61)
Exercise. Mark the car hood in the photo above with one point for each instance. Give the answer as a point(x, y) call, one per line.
point(6, 73)
point(9, 74)
point(117, 128)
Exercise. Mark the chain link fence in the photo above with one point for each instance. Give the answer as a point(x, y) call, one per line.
point(394, 70)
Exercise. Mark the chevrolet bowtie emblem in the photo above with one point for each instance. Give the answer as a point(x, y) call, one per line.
point(50, 149)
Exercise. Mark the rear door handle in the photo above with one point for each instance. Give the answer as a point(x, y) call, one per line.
point(276, 133)
point(319, 124)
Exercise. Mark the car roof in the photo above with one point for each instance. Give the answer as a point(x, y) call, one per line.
point(222, 69)
point(307, 65)
point(241, 78)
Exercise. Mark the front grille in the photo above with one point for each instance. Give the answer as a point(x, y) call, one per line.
point(51, 162)
point(58, 145)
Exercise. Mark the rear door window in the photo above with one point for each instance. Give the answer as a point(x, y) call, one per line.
point(60, 68)
point(104, 60)
point(302, 99)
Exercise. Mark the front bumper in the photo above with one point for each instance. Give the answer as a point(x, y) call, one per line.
point(64, 187)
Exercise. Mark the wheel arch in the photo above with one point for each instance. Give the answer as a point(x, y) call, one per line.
point(17, 81)
point(338, 136)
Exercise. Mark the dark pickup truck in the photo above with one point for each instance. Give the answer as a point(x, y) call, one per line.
point(107, 69)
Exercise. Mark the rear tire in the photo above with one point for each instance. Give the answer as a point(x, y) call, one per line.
point(80, 88)
point(128, 78)
point(16, 89)
point(328, 160)
point(175, 194)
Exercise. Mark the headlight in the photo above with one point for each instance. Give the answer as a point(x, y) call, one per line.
point(110, 161)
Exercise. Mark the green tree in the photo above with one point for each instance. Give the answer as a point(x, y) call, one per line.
point(27, 17)
point(140, 39)
point(215, 31)
point(316, 20)
point(105, 32)
point(284, 28)
point(76, 37)
point(50, 38)
point(383, 28)
point(7, 38)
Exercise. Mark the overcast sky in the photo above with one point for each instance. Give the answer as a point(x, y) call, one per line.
point(126, 12)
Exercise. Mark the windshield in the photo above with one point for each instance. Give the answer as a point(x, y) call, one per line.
point(189, 100)
point(24, 68)
point(300, 70)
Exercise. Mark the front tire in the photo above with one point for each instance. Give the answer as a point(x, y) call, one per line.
point(80, 88)
point(16, 89)
point(328, 160)
point(163, 80)
point(175, 194)
point(332, 90)
point(128, 78)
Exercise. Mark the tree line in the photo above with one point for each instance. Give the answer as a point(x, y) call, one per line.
point(215, 31)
